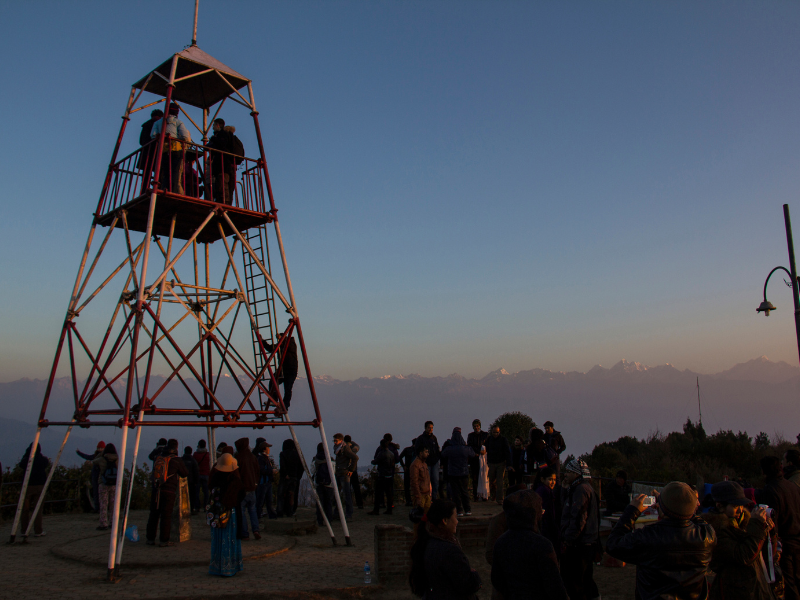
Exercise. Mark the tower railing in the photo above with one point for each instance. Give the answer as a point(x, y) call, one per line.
point(188, 170)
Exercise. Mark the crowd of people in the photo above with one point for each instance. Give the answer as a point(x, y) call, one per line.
point(545, 541)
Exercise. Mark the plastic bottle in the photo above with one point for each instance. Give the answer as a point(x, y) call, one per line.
point(367, 574)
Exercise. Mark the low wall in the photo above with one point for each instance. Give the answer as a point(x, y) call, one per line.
point(392, 543)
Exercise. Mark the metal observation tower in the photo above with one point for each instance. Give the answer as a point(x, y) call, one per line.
point(183, 268)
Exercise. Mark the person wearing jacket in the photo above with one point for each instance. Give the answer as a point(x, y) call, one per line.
point(203, 459)
point(266, 473)
point(146, 156)
point(524, 563)
point(194, 478)
point(551, 515)
point(173, 155)
point(498, 455)
point(346, 461)
point(162, 497)
point(429, 441)
point(515, 477)
point(784, 497)
point(439, 568)
point(553, 438)
point(458, 455)
point(672, 556)
point(420, 481)
point(580, 531)
point(287, 370)
point(324, 483)
point(475, 440)
point(107, 464)
point(617, 493)
point(355, 483)
point(741, 536)
point(249, 472)
point(36, 483)
point(95, 471)
point(226, 547)
point(385, 461)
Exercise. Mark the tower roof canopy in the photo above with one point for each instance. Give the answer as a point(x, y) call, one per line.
point(200, 79)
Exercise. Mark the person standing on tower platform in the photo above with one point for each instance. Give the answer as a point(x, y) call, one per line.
point(147, 155)
point(172, 158)
point(222, 164)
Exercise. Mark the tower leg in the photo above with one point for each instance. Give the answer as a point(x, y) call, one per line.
point(112, 549)
point(121, 542)
point(313, 488)
point(25, 480)
point(40, 502)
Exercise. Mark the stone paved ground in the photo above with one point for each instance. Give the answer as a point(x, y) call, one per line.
point(306, 566)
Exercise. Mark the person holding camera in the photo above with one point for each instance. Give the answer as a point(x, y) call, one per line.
point(672, 555)
point(741, 536)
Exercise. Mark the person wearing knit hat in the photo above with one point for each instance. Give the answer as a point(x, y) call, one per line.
point(580, 531)
point(95, 473)
point(741, 536)
point(672, 556)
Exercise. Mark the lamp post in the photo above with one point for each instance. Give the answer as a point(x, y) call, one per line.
point(767, 306)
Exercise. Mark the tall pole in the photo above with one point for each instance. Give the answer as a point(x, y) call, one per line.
point(194, 31)
point(793, 269)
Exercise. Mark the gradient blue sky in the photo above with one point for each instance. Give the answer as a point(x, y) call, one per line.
point(462, 185)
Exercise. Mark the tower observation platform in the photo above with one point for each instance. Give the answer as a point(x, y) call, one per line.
point(188, 222)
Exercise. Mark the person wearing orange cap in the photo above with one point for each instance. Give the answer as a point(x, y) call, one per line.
point(95, 473)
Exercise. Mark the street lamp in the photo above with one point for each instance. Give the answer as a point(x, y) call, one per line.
point(767, 306)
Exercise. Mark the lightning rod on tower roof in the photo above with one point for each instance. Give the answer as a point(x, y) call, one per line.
point(194, 31)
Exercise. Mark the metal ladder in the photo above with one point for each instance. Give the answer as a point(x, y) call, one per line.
point(261, 298)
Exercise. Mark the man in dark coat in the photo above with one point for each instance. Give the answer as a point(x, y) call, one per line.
point(784, 497)
point(554, 438)
point(475, 440)
point(385, 461)
point(162, 497)
point(458, 455)
point(498, 457)
point(249, 471)
point(223, 166)
point(147, 154)
point(194, 478)
point(355, 482)
point(36, 483)
point(266, 471)
point(524, 563)
point(429, 441)
point(580, 531)
point(672, 556)
point(203, 458)
point(617, 493)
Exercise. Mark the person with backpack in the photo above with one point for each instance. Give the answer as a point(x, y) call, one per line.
point(385, 461)
point(227, 153)
point(324, 483)
point(167, 469)
point(227, 493)
point(107, 464)
point(194, 478)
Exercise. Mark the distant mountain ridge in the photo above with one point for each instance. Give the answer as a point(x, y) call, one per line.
point(601, 404)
